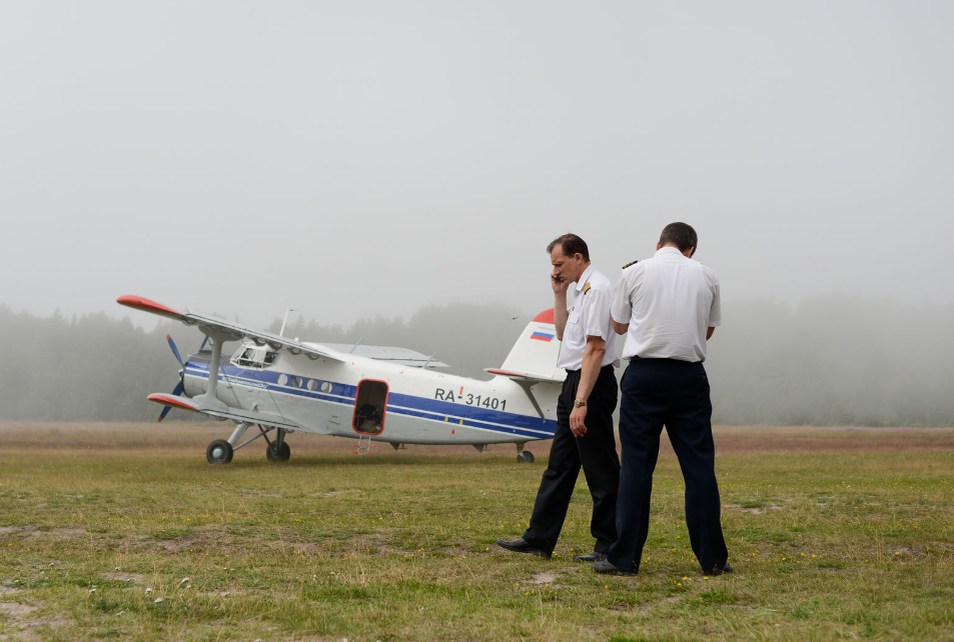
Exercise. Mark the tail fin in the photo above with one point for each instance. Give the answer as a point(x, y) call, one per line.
point(534, 355)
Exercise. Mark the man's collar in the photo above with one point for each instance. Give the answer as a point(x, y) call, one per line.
point(668, 250)
point(584, 277)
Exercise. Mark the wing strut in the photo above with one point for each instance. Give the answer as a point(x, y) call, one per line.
point(209, 398)
point(526, 384)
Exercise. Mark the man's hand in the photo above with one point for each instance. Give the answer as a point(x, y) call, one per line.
point(577, 417)
point(558, 283)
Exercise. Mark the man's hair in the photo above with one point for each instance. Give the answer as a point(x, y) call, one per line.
point(570, 244)
point(681, 235)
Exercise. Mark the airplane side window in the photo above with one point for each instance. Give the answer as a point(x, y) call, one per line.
point(254, 357)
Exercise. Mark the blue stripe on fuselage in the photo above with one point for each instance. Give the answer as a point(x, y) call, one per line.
point(401, 404)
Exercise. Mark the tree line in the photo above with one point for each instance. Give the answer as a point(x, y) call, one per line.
point(831, 360)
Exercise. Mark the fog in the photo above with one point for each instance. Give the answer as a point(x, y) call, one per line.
point(355, 159)
point(830, 361)
point(374, 160)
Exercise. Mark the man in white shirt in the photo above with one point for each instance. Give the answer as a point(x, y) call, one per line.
point(584, 431)
point(668, 307)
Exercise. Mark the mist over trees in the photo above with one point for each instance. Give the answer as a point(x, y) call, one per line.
point(829, 361)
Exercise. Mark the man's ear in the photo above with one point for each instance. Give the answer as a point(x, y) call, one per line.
point(658, 246)
point(692, 250)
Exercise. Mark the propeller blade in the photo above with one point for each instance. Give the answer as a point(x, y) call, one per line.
point(175, 350)
point(165, 411)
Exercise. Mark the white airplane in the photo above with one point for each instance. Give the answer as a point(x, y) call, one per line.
point(376, 393)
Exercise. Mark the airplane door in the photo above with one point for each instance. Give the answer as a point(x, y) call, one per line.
point(370, 406)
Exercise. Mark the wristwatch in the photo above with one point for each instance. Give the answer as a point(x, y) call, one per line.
point(579, 403)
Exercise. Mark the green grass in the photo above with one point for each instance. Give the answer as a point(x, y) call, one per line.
point(827, 542)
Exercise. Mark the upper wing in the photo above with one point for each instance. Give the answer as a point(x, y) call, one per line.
point(401, 356)
point(232, 331)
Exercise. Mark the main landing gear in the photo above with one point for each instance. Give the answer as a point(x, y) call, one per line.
point(524, 456)
point(221, 451)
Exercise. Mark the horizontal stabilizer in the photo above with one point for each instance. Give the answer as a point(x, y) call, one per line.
point(557, 377)
point(236, 414)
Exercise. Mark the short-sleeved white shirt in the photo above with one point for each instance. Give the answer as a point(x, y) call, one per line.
point(588, 316)
point(669, 302)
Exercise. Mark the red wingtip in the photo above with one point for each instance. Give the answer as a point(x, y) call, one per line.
point(160, 420)
point(506, 373)
point(139, 303)
point(544, 317)
point(169, 400)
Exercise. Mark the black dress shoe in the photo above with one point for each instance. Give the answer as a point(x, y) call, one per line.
point(590, 557)
point(727, 568)
point(607, 568)
point(521, 545)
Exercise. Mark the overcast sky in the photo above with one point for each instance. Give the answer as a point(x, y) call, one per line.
point(355, 158)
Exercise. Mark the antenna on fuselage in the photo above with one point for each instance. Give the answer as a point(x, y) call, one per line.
point(285, 320)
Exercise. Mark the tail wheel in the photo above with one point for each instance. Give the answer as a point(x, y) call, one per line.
point(219, 452)
point(524, 457)
point(278, 452)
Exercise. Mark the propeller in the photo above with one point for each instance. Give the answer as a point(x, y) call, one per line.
point(166, 409)
point(178, 389)
point(175, 350)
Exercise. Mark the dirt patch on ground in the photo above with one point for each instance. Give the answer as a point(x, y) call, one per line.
point(804, 439)
point(199, 539)
point(60, 533)
point(16, 530)
point(547, 578)
point(121, 576)
point(176, 436)
point(16, 610)
point(33, 531)
point(754, 510)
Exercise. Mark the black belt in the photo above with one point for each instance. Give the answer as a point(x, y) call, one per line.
point(609, 365)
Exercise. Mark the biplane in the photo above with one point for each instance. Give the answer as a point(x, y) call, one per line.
point(276, 385)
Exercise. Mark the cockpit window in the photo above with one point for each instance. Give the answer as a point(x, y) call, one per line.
point(254, 357)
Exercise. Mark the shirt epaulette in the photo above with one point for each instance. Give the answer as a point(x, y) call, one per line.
point(629, 264)
point(586, 288)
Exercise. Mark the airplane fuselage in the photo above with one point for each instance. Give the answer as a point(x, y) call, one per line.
point(414, 405)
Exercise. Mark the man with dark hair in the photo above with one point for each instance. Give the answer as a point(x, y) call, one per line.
point(584, 430)
point(668, 307)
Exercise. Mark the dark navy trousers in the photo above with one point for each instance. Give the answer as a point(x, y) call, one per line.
point(595, 452)
point(658, 392)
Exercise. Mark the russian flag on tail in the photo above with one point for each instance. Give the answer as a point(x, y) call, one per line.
point(542, 336)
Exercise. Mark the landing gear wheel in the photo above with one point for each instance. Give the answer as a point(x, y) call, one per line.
point(274, 452)
point(524, 457)
point(219, 452)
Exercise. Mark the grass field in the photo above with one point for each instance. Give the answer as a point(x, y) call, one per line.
point(123, 531)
